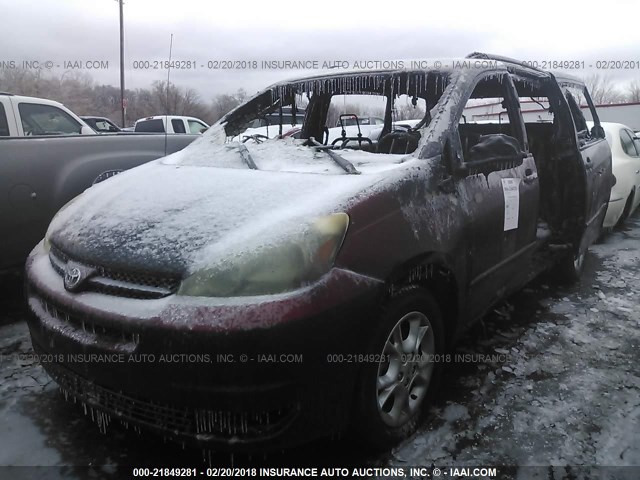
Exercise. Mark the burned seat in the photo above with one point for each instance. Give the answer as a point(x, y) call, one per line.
point(399, 142)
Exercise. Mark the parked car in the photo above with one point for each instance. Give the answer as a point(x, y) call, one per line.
point(260, 295)
point(267, 126)
point(101, 124)
point(352, 132)
point(48, 155)
point(625, 195)
point(22, 116)
point(170, 124)
point(362, 120)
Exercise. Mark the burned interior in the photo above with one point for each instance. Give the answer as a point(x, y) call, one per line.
point(550, 140)
point(288, 104)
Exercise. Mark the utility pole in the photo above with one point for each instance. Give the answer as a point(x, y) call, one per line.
point(122, 105)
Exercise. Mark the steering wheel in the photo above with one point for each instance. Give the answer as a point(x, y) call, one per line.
point(399, 141)
point(257, 137)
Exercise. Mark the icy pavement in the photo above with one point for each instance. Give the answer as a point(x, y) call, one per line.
point(568, 391)
point(549, 378)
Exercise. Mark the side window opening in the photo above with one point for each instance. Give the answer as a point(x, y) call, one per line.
point(38, 119)
point(178, 125)
point(196, 127)
point(4, 125)
point(491, 122)
point(150, 126)
point(628, 144)
point(578, 119)
point(582, 109)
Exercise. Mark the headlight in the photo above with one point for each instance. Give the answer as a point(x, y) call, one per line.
point(273, 269)
point(46, 244)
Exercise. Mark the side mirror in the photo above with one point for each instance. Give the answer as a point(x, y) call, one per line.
point(597, 131)
point(492, 152)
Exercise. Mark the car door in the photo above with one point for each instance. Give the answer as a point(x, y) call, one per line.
point(596, 161)
point(631, 147)
point(499, 184)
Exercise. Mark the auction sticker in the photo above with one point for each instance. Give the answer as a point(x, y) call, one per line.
point(511, 190)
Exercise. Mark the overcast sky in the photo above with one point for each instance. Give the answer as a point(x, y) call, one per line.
point(70, 30)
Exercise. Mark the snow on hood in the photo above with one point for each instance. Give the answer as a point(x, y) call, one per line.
point(285, 155)
point(162, 216)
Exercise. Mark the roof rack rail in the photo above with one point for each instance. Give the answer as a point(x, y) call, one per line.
point(500, 58)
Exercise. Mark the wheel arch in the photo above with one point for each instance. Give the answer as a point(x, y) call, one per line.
point(434, 272)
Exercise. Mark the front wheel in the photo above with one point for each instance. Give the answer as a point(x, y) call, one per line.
point(394, 389)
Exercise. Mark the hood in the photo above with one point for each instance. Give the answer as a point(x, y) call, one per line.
point(164, 217)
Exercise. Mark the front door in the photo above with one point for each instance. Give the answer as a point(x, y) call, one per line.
point(500, 190)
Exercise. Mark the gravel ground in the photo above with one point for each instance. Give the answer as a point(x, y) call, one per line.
point(550, 378)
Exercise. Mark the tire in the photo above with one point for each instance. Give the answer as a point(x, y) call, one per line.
point(571, 266)
point(392, 394)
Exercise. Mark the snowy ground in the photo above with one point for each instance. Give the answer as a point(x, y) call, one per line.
point(562, 388)
point(568, 393)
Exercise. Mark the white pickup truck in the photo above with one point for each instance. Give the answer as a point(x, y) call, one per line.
point(29, 116)
point(48, 155)
point(170, 124)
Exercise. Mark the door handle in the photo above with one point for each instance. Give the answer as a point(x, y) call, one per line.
point(529, 176)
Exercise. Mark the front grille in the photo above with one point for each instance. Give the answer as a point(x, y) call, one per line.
point(87, 325)
point(111, 282)
point(201, 424)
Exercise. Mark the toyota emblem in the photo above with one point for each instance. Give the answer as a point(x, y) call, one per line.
point(72, 278)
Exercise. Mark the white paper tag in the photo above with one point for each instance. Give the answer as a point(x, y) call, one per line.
point(511, 190)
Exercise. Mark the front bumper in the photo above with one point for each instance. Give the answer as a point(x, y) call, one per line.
point(237, 374)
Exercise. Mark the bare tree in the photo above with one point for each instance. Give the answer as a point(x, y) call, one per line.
point(78, 92)
point(224, 103)
point(408, 112)
point(602, 89)
point(175, 100)
point(633, 91)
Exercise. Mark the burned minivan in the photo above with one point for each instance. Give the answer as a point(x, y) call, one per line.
point(256, 294)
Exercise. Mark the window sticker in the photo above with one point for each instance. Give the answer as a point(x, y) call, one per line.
point(511, 190)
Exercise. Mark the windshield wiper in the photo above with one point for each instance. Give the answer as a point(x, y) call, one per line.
point(246, 156)
point(345, 164)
